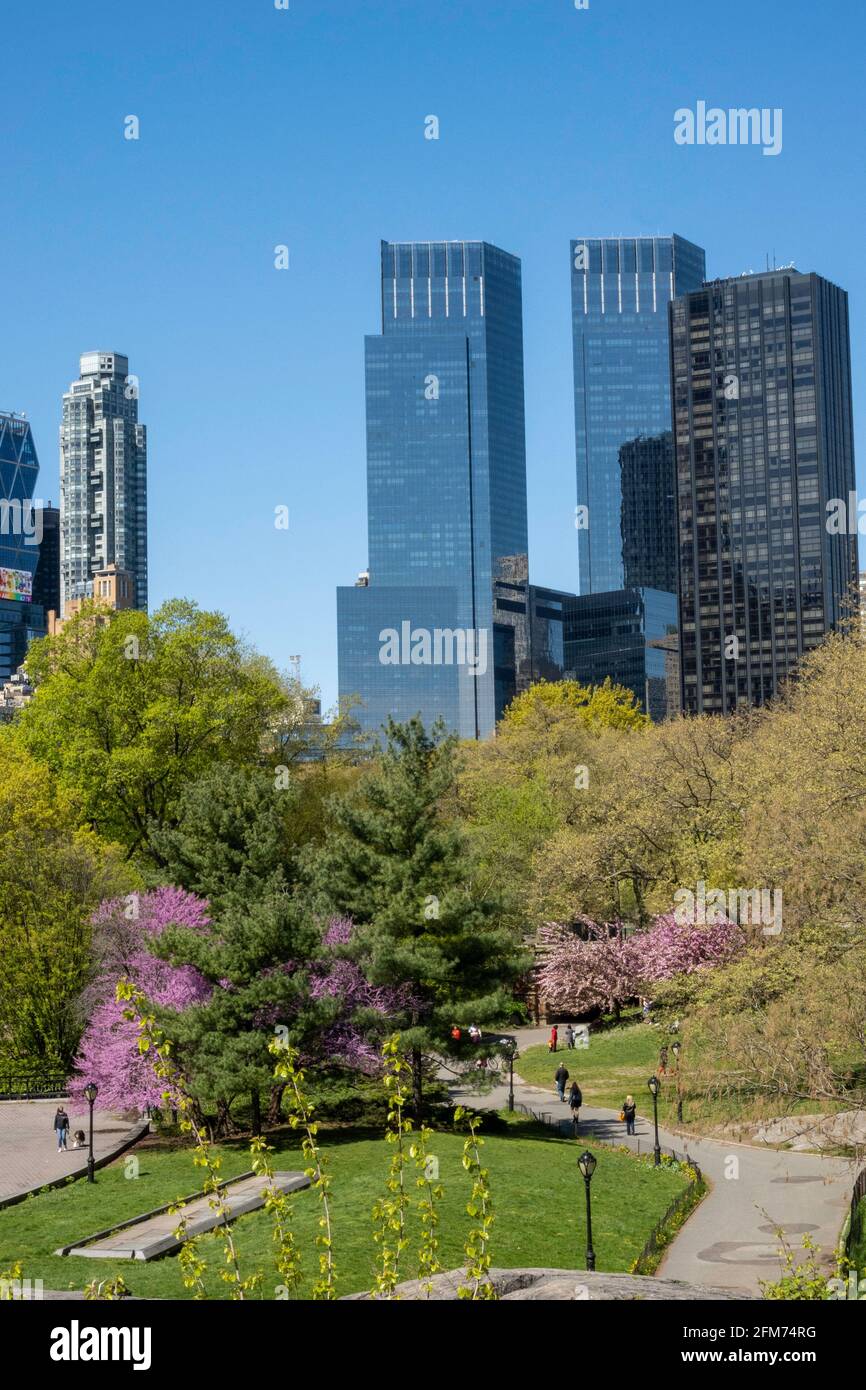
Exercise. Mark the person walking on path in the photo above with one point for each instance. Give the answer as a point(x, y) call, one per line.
point(560, 1078)
point(569, 1036)
point(553, 1039)
point(61, 1128)
point(575, 1100)
point(663, 1059)
point(629, 1111)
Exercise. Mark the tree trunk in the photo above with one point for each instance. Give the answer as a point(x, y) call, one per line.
point(224, 1122)
point(418, 1082)
point(275, 1103)
point(255, 1099)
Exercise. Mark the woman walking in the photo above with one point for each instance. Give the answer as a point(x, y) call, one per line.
point(575, 1100)
point(553, 1039)
point(629, 1111)
point(61, 1128)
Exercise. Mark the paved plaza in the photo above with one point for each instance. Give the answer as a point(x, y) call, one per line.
point(28, 1146)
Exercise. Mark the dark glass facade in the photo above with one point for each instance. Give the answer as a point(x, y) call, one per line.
point(763, 435)
point(446, 486)
point(629, 635)
point(21, 619)
point(620, 288)
point(46, 581)
point(649, 512)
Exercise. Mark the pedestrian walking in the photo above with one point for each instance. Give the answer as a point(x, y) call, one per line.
point(663, 1059)
point(569, 1036)
point(629, 1111)
point(575, 1101)
point(61, 1128)
point(553, 1039)
point(560, 1078)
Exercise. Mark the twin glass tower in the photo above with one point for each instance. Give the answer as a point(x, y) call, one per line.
point(446, 488)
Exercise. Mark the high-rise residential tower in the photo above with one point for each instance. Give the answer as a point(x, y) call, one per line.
point(103, 478)
point(620, 291)
point(21, 619)
point(763, 433)
point(446, 491)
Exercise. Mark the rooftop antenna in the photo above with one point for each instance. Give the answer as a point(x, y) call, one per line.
point(296, 663)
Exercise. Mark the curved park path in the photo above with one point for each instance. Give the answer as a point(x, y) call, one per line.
point(28, 1148)
point(729, 1241)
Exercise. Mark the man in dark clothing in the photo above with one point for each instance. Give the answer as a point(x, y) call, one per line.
point(560, 1078)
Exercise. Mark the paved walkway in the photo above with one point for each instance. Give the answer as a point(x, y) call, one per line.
point(28, 1148)
point(729, 1241)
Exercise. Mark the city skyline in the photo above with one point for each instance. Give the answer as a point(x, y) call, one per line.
point(250, 377)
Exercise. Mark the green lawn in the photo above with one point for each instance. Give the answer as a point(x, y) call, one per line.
point(619, 1062)
point(537, 1192)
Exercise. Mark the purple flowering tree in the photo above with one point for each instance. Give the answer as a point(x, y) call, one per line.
point(108, 1053)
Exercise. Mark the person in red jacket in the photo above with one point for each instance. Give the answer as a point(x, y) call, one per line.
point(554, 1038)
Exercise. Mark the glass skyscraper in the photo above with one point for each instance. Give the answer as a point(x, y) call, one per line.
point(21, 620)
point(620, 291)
point(446, 490)
point(765, 460)
point(629, 635)
point(103, 478)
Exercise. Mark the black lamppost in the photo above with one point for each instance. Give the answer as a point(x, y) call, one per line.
point(510, 1049)
point(586, 1163)
point(653, 1084)
point(676, 1050)
point(90, 1094)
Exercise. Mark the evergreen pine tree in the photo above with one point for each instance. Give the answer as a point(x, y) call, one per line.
point(393, 863)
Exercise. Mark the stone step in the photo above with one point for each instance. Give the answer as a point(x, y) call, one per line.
point(154, 1235)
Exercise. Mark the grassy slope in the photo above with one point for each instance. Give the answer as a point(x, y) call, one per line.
point(537, 1194)
point(619, 1061)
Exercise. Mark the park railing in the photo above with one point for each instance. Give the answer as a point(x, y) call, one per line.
point(26, 1084)
point(855, 1219)
point(664, 1230)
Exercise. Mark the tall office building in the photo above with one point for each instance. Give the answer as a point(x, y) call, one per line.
point(761, 380)
point(103, 478)
point(446, 490)
point(620, 291)
point(21, 619)
point(649, 512)
point(46, 581)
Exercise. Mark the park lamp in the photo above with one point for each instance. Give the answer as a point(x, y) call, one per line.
point(587, 1164)
point(91, 1091)
point(676, 1049)
point(653, 1084)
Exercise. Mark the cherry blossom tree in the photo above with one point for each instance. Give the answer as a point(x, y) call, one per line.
point(601, 968)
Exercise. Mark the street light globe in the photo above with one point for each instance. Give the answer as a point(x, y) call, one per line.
point(587, 1164)
point(653, 1084)
point(677, 1049)
point(91, 1091)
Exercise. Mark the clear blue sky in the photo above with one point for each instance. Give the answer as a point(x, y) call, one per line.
point(306, 127)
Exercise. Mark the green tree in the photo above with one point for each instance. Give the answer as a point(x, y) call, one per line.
point(129, 708)
point(233, 839)
point(394, 863)
point(606, 706)
point(53, 875)
point(255, 959)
